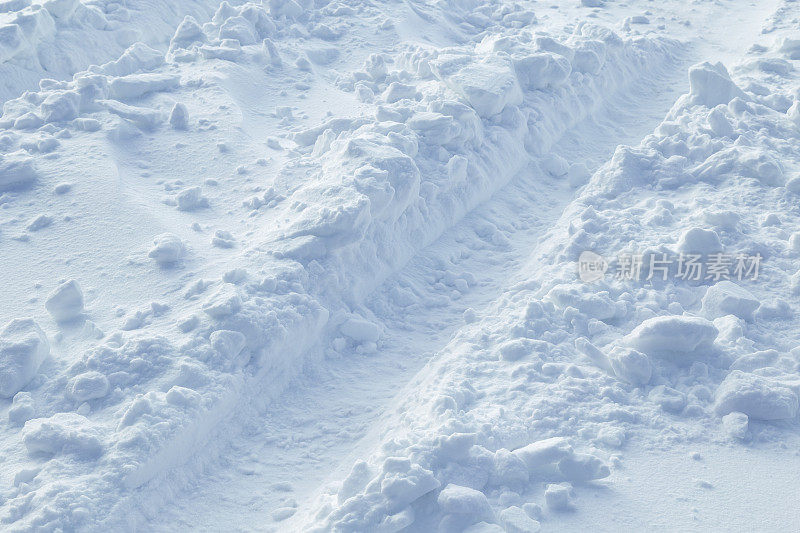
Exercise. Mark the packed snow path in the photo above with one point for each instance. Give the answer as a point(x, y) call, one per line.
point(286, 317)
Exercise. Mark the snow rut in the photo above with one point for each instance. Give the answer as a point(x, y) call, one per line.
point(335, 257)
point(331, 413)
point(544, 185)
point(452, 126)
point(521, 411)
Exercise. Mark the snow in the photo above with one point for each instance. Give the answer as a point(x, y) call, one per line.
point(65, 303)
point(23, 348)
point(758, 397)
point(727, 298)
point(312, 266)
point(672, 334)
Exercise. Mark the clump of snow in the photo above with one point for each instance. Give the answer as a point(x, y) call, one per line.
point(168, 249)
point(558, 497)
point(672, 335)
point(179, 117)
point(631, 365)
point(711, 85)
point(727, 298)
point(735, 425)
point(191, 198)
point(65, 303)
point(62, 433)
point(360, 330)
point(756, 396)
point(21, 409)
point(699, 240)
point(465, 505)
point(87, 386)
point(23, 348)
point(16, 173)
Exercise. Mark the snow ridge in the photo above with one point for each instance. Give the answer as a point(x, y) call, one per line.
point(488, 427)
point(451, 127)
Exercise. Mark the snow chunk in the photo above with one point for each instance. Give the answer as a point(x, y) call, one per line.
point(60, 106)
point(593, 304)
point(488, 85)
point(727, 298)
point(88, 386)
point(672, 334)
point(191, 198)
point(699, 240)
point(40, 222)
point(188, 32)
point(756, 360)
point(137, 85)
point(670, 400)
point(516, 520)
point(360, 330)
point(554, 456)
point(223, 303)
point(21, 409)
point(542, 70)
point(455, 499)
point(790, 48)
point(229, 344)
point(61, 9)
point(137, 57)
point(631, 365)
point(179, 117)
point(711, 85)
point(583, 467)
point(515, 349)
point(16, 173)
point(168, 249)
point(62, 433)
point(23, 348)
point(509, 470)
point(735, 425)
point(558, 498)
point(758, 397)
point(65, 303)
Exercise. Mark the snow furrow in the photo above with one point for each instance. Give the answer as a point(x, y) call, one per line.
point(245, 246)
point(518, 415)
point(452, 126)
point(417, 310)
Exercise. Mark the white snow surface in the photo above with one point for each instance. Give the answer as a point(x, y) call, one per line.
point(311, 265)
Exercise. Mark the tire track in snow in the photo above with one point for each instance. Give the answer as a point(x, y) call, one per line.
point(296, 438)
